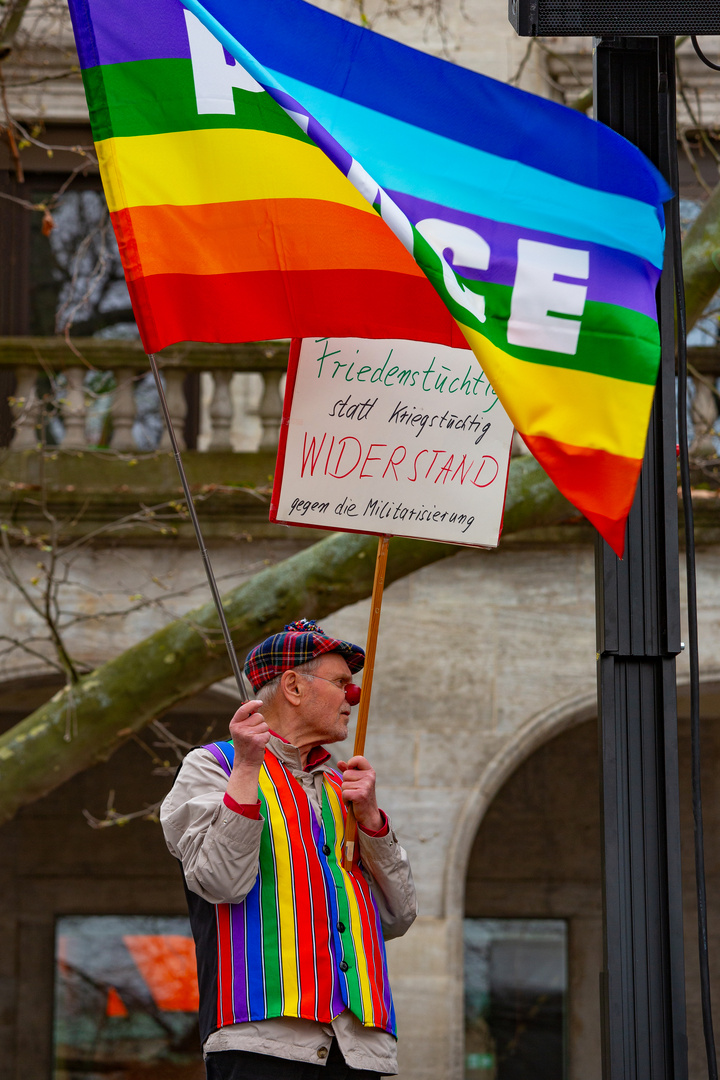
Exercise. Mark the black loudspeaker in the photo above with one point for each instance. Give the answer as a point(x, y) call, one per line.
point(566, 18)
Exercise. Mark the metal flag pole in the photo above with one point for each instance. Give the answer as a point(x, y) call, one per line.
point(361, 730)
point(237, 670)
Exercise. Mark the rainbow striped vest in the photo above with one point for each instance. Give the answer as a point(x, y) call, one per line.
point(307, 940)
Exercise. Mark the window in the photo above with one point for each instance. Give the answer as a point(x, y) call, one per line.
point(515, 999)
point(76, 278)
point(70, 279)
point(125, 999)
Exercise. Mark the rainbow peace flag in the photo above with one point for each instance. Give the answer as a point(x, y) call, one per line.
point(232, 224)
point(252, 200)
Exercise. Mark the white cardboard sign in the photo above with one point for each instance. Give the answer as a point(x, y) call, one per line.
point(392, 437)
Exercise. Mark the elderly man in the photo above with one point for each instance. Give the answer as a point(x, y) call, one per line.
point(291, 956)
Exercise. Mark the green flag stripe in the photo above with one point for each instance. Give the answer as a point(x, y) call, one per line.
point(614, 341)
point(154, 97)
point(269, 912)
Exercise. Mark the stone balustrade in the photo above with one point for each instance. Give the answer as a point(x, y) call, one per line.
point(240, 392)
point(239, 401)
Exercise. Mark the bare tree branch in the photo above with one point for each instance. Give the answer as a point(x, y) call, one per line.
point(10, 21)
point(177, 662)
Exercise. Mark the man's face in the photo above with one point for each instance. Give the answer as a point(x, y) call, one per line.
point(325, 712)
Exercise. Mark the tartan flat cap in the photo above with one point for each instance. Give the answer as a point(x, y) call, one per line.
point(299, 642)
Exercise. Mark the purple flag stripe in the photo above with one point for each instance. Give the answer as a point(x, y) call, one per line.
point(241, 1006)
point(616, 277)
point(221, 758)
point(125, 30)
point(329, 145)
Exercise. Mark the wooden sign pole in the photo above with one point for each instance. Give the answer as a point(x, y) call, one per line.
point(377, 595)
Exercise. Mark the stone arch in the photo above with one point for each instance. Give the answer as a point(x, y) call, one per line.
point(538, 730)
point(527, 740)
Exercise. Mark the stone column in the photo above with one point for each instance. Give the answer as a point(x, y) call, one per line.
point(425, 970)
point(123, 410)
point(270, 410)
point(221, 410)
point(25, 408)
point(73, 412)
point(177, 407)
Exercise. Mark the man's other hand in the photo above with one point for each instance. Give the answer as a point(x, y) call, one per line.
point(250, 735)
point(358, 788)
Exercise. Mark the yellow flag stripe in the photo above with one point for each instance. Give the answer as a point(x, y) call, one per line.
point(285, 904)
point(575, 407)
point(214, 165)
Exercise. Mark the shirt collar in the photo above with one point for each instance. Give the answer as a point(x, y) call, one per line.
point(286, 751)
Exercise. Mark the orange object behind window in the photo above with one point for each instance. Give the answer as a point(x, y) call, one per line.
point(115, 1005)
point(167, 964)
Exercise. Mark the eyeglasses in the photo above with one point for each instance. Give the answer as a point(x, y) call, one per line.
point(351, 690)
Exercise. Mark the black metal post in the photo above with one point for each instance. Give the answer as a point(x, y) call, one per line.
point(638, 630)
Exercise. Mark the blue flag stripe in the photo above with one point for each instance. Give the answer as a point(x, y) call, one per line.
point(387, 77)
point(402, 157)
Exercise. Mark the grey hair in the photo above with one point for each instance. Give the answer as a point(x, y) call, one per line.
point(268, 692)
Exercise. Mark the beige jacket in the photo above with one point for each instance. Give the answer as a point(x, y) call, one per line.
point(219, 851)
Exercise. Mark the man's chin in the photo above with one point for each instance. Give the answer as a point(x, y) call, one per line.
point(341, 731)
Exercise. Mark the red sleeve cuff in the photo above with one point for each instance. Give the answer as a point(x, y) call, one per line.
point(249, 810)
point(380, 832)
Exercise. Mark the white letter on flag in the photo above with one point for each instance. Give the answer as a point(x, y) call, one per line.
point(214, 77)
point(536, 292)
point(467, 248)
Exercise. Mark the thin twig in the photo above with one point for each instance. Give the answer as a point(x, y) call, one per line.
point(112, 817)
point(77, 148)
point(22, 646)
point(14, 152)
point(13, 85)
point(693, 163)
point(515, 79)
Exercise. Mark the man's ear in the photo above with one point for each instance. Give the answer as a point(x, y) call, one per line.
point(290, 686)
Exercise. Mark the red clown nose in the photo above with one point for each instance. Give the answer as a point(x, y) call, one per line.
point(352, 693)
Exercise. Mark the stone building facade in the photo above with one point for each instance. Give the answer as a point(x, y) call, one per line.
point(484, 735)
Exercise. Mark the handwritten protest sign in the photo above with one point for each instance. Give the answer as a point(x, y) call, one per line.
point(392, 437)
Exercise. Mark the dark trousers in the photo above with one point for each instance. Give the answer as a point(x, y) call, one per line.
point(240, 1065)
